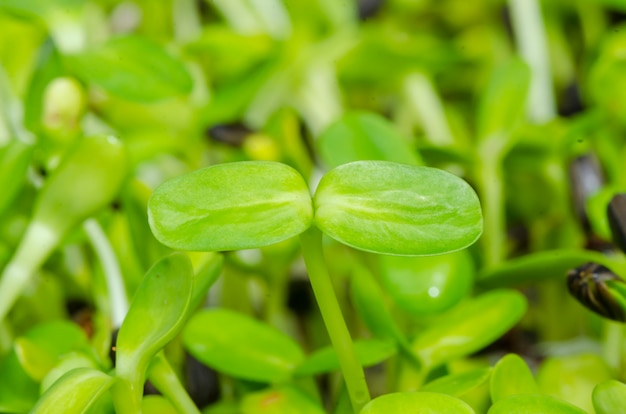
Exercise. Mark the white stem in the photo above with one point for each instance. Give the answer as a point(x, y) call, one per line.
point(531, 40)
point(239, 16)
point(424, 101)
point(111, 268)
point(35, 247)
point(274, 17)
point(187, 25)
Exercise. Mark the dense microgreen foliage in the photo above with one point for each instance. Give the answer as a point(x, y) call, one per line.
point(382, 206)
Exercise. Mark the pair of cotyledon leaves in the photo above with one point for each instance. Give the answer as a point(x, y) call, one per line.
point(376, 206)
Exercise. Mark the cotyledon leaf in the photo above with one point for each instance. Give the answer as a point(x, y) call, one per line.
point(231, 206)
point(390, 208)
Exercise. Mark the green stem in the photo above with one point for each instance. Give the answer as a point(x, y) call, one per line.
point(424, 101)
point(489, 182)
point(34, 249)
point(126, 397)
point(165, 380)
point(311, 241)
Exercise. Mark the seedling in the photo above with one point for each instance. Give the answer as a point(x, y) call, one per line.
point(375, 206)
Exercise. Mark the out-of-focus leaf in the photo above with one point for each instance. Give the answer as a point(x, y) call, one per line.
point(134, 68)
point(417, 402)
point(609, 397)
point(370, 352)
point(240, 346)
point(458, 384)
point(533, 403)
point(427, 285)
point(359, 136)
point(282, 400)
point(470, 326)
point(573, 378)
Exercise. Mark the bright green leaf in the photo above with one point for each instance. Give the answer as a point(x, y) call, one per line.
point(155, 315)
point(470, 326)
point(427, 285)
point(283, 400)
point(240, 346)
point(609, 397)
point(155, 404)
point(75, 392)
point(231, 206)
point(533, 403)
point(369, 351)
point(416, 402)
point(132, 67)
point(398, 209)
point(361, 136)
point(511, 376)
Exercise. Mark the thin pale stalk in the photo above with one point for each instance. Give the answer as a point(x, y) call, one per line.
point(354, 376)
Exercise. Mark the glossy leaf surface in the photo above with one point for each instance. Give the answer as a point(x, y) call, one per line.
point(416, 402)
point(231, 206)
point(156, 313)
point(470, 326)
point(283, 400)
point(134, 68)
point(75, 391)
point(533, 403)
point(240, 346)
point(609, 397)
point(369, 351)
point(361, 136)
point(427, 285)
point(398, 209)
point(511, 376)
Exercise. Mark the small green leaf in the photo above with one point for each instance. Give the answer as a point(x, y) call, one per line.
point(75, 392)
point(398, 209)
point(427, 285)
point(572, 378)
point(155, 315)
point(132, 67)
point(231, 206)
point(240, 346)
point(533, 403)
point(283, 400)
point(359, 136)
point(369, 351)
point(458, 384)
point(416, 402)
point(470, 326)
point(511, 376)
point(609, 397)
